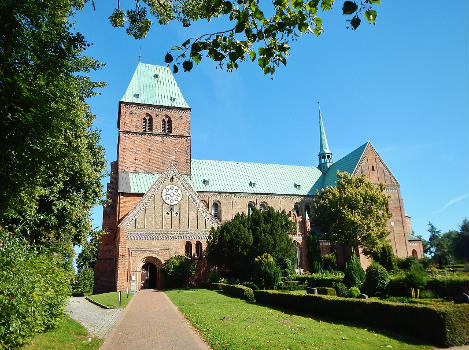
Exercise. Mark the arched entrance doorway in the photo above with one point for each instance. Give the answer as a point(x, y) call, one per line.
point(150, 275)
point(414, 253)
point(148, 278)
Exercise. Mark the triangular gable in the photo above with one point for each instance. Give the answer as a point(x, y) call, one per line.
point(171, 172)
point(379, 161)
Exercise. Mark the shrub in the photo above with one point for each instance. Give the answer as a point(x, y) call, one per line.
point(329, 262)
point(178, 269)
point(314, 253)
point(415, 278)
point(376, 280)
point(251, 285)
point(266, 274)
point(384, 256)
point(406, 263)
point(319, 279)
point(326, 291)
point(235, 290)
point(34, 286)
point(448, 287)
point(353, 292)
point(84, 282)
point(354, 273)
point(340, 289)
point(291, 285)
point(213, 276)
point(444, 325)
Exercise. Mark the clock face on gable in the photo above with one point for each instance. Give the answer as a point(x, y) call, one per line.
point(171, 194)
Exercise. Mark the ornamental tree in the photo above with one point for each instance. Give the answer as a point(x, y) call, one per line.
point(243, 30)
point(235, 244)
point(353, 213)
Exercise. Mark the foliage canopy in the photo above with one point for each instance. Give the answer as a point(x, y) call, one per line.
point(252, 30)
point(51, 159)
point(353, 213)
point(235, 244)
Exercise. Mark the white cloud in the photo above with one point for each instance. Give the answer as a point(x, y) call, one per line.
point(451, 202)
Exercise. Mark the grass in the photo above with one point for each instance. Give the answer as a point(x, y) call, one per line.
point(67, 336)
point(231, 323)
point(111, 299)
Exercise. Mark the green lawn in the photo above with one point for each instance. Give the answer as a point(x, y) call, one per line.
point(111, 299)
point(69, 335)
point(231, 323)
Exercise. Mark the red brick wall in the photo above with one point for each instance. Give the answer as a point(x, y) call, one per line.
point(154, 151)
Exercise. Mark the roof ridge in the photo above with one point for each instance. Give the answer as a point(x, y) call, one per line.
point(243, 162)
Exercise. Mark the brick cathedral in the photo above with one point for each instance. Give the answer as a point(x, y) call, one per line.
point(163, 203)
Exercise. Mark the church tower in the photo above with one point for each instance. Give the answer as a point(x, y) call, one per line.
point(325, 155)
point(153, 123)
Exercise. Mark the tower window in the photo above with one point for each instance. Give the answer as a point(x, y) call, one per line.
point(188, 249)
point(263, 207)
point(198, 249)
point(163, 126)
point(144, 124)
point(308, 210)
point(372, 168)
point(169, 126)
point(150, 123)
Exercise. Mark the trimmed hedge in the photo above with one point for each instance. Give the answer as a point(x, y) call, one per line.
point(443, 325)
point(443, 287)
point(235, 290)
point(318, 280)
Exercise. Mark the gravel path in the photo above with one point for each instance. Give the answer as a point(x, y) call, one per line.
point(97, 320)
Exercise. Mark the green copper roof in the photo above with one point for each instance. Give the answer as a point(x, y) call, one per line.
point(241, 177)
point(411, 237)
point(323, 146)
point(347, 163)
point(154, 85)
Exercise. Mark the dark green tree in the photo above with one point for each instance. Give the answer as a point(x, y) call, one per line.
point(89, 252)
point(254, 30)
point(235, 244)
point(384, 256)
point(52, 163)
point(441, 245)
point(353, 213)
point(314, 253)
point(460, 243)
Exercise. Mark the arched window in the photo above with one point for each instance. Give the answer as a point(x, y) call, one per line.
point(144, 124)
point(298, 255)
point(169, 125)
point(250, 207)
point(308, 210)
point(198, 249)
point(297, 209)
point(215, 210)
point(414, 253)
point(163, 125)
point(149, 123)
point(263, 207)
point(188, 249)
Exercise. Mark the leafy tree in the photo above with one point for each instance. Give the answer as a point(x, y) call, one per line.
point(353, 213)
point(266, 273)
point(178, 270)
point(51, 159)
point(89, 252)
point(384, 256)
point(441, 247)
point(376, 280)
point(235, 244)
point(460, 243)
point(254, 30)
point(314, 253)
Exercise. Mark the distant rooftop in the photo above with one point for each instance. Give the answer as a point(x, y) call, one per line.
point(154, 85)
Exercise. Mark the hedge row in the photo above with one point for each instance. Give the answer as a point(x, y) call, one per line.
point(235, 290)
point(444, 325)
point(318, 280)
point(443, 287)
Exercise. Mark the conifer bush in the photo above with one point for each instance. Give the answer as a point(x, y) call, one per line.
point(354, 273)
point(266, 274)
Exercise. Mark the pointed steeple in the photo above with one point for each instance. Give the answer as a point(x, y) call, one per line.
point(325, 155)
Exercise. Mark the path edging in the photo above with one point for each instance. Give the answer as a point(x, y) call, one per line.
point(99, 304)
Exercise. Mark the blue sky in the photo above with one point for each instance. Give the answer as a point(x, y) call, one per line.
point(401, 84)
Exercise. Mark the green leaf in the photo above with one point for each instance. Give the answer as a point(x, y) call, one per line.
point(196, 57)
point(370, 15)
point(187, 42)
point(349, 7)
point(187, 65)
point(355, 22)
point(263, 62)
point(168, 58)
point(176, 48)
point(175, 69)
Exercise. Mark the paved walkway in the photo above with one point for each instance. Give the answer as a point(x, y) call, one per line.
point(97, 320)
point(151, 321)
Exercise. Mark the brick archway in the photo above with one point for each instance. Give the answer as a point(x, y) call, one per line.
point(150, 273)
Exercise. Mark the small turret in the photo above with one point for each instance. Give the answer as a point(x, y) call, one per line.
point(325, 155)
